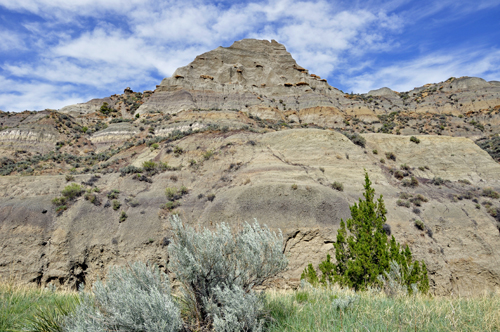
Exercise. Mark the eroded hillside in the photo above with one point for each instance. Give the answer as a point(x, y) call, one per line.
point(244, 132)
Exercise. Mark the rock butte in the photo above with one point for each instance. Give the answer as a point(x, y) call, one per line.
point(275, 131)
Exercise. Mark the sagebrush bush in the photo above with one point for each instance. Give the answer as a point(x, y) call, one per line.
point(236, 310)
point(134, 299)
point(212, 265)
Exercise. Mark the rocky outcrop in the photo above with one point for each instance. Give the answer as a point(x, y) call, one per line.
point(236, 77)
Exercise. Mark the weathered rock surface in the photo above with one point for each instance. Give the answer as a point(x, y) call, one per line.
point(252, 134)
point(251, 176)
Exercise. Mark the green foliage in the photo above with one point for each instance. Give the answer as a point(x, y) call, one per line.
point(309, 275)
point(52, 319)
point(105, 109)
point(365, 252)
point(331, 309)
point(59, 200)
point(61, 208)
point(437, 181)
point(390, 156)
point(338, 186)
point(130, 169)
point(72, 191)
point(420, 224)
point(489, 192)
point(208, 154)
point(149, 165)
point(414, 140)
point(116, 204)
point(113, 194)
point(33, 309)
point(356, 139)
point(178, 150)
point(171, 193)
point(170, 205)
point(123, 216)
point(412, 182)
point(155, 146)
point(184, 190)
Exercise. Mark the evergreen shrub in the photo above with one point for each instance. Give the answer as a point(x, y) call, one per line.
point(365, 253)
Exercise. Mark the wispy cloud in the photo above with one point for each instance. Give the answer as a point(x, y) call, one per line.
point(431, 68)
point(85, 48)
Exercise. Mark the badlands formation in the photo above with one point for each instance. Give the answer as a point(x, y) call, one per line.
point(243, 133)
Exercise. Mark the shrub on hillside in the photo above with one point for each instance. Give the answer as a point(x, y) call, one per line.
point(411, 182)
point(414, 140)
point(365, 253)
point(489, 192)
point(437, 181)
point(338, 186)
point(148, 165)
point(218, 270)
point(72, 191)
point(130, 170)
point(135, 299)
point(356, 139)
point(390, 155)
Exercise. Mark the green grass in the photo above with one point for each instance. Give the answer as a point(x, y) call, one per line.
point(24, 308)
point(312, 310)
point(33, 309)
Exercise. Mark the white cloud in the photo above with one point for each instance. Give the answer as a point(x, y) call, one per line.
point(34, 95)
point(431, 68)
point(10, 40)
point(134, 42)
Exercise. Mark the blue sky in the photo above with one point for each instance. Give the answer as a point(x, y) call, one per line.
point(58, 52)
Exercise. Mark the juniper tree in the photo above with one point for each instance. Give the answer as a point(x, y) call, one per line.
point(363, 251)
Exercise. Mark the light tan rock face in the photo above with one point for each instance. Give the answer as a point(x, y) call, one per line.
point(252, 176)
point(237, 77)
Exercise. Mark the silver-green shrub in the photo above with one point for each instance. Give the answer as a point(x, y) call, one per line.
point(236, 310)
point(220, 268)
point(135, 298)
point(392, 281)
point(342, 303)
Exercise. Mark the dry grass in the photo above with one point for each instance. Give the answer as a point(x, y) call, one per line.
point(315, 310)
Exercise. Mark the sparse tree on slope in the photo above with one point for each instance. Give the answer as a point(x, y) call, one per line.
point(363, 251)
